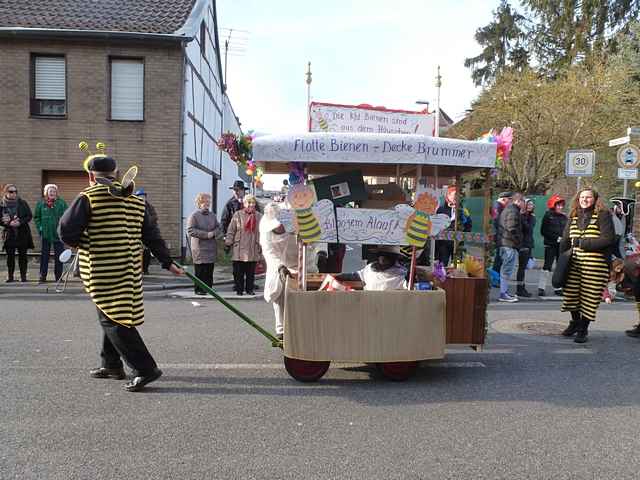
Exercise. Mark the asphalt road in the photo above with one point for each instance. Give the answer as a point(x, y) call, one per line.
point(530, 405)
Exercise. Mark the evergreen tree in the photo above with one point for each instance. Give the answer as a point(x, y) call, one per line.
point(502, 42)
point(566, 32)
point(552, 34)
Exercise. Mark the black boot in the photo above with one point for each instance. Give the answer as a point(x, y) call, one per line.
point(522, 292)
point(574, 325)
point(634, 332)
point(10, 270)
point(583, 331)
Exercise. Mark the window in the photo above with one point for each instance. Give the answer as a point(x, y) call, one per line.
point(127, 89)
point(49, 86)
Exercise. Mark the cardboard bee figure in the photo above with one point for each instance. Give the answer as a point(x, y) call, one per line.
point(301, 198)
point(418, 226)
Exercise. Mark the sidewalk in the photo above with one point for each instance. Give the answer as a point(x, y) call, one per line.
point(158, 279)
point(531, 284)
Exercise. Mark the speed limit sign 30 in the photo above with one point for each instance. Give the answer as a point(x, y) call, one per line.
point(580, 163)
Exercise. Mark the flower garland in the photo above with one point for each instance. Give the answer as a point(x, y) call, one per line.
point(240, 150)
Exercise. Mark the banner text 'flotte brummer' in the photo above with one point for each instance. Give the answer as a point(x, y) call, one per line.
point(421, 148)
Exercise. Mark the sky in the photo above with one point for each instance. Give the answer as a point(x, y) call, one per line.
point(380, 52)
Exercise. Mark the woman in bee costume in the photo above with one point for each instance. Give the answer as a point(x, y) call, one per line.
point(590, 233)
point(108, 225)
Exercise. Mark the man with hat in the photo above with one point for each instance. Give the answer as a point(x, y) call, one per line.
point(511, 235)
point(504, 198)
point(109, 225)
point(234, 204)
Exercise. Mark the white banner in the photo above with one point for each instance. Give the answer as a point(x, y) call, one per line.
point(373, 148)
point(354, 119)
point(362, 225)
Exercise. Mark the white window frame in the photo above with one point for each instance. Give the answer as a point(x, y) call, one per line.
point(126, 92)
point(49, 89)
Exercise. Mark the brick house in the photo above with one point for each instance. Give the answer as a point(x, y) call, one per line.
point(144, 77)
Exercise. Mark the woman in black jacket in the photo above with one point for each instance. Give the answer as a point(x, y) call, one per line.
point(526, 248)
point(15, 216)
point(590, 233)
point(553, 224)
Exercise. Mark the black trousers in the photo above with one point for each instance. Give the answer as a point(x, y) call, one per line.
point(244, 276)
point(204, 272)
point(45, 251)
point(444, 250)
point(123, 343)
point(551, 253)
point(523, 258)
point(22, 261)
point(146, 260)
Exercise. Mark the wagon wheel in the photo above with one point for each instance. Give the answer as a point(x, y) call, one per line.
point(305, 370)
point(398, 371)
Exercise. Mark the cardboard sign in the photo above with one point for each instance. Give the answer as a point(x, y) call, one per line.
point(362, 225)
point(341, 188)
point(326, 117)
point(343, 148)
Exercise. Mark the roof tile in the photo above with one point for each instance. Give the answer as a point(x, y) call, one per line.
point(140, 16)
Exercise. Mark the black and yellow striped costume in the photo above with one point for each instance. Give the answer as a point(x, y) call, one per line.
point(110, 255)
point(308, 226)
point(418, 229)
point(588, 273)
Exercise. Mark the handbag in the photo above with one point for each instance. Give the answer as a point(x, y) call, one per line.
point(561, 273)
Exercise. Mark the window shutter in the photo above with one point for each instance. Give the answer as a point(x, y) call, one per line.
point(127, 90)
point(50, 78)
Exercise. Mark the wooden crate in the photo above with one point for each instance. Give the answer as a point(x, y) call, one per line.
point(364, 326)
point(466, 310)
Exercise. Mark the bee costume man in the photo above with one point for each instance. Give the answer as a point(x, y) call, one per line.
point(108, 225)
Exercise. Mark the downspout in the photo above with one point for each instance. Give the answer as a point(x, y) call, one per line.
point(181, 137)
point(222, 82)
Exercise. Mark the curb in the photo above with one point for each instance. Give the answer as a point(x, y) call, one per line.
point(75, 290)
point(18, 289)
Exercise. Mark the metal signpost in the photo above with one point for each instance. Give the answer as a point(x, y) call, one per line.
point(580, 163)
point(619, 141)
point(628, 160)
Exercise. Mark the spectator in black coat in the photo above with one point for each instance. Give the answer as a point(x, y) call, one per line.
point(526, 249)
point(552, 228)
point(15, 216)
point(233, 205)
point(444, 248)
